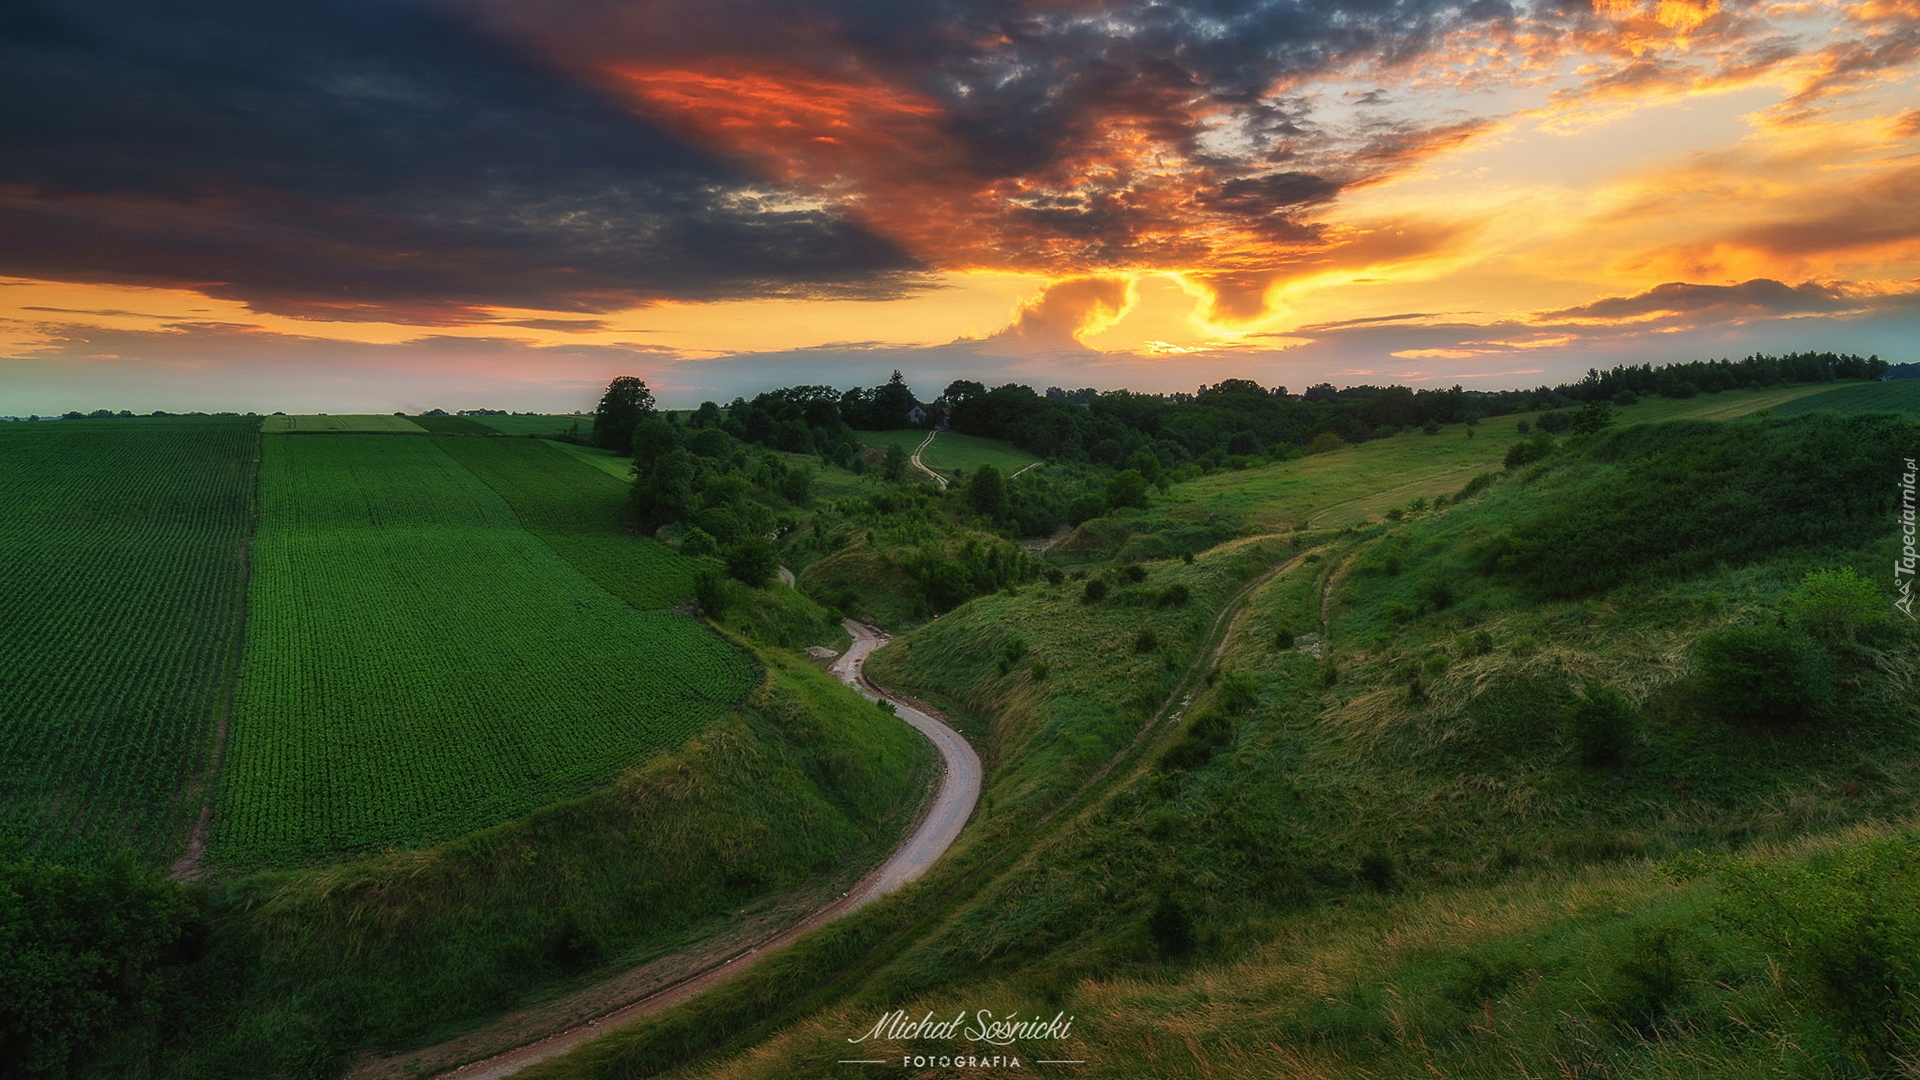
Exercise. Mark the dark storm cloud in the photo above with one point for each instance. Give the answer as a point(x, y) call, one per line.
point(1077, 135)
point(371, 160)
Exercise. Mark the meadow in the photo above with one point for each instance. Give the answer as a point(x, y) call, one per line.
point(122, 570)
point(418, 665)
point(951, 453)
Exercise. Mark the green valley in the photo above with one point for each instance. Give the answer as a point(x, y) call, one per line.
point(1556, 732)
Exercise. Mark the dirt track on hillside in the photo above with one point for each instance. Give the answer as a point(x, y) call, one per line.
point(952, 805)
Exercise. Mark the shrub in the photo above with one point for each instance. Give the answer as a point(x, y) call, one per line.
point(1175, 595)
point(1171, 927)
point(1647, 980)
point(1435, 593)
point(1145, 642)
point(753, 562)
point(1596, 417)
point(698, 542)
point(1847, 934)
point(1762, 674)
point(83, 957)
point(1283, 638)
point(1554, 422)
point(1085, 507)
point(1527, 451)
point(1475, 486)
point(1602, 724)
point(1238, 692)
point(1134, 572)
point(1095, 591)
point(1011, 651)
point(1055, 575)
point(1325, 443)
point(1377, 869)
point(1431, 427)
point(710, 592)
point(1039, 671)
point(1833, 604)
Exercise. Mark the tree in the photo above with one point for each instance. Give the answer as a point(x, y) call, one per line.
point(651, 437)
point(894, 468)
point(960, 391)
point(753, 562)
point(891, 402)
point(1127, 488)
point(82, 954)
point(1592, 419)
point(626, 402)
point(710, 592)
point(663, 488)
point(987, 493)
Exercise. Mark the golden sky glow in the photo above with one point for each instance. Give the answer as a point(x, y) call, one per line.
point(1513, 199)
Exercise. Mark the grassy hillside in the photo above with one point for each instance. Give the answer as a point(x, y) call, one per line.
point(122, 545)
point(1358, 484)
point(951, 452)
point(419, 665)
point(1406, 826)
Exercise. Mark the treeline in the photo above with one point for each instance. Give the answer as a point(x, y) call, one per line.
point(1712, 376)
point(1231, 423)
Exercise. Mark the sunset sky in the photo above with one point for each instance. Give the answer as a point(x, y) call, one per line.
point(387, 204)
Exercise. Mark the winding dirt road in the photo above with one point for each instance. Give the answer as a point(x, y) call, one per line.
point(952, 806)
point(921, 465)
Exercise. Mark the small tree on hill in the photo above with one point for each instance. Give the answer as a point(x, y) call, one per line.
point(894, 465)
point(987, 493)
point(1594, 418)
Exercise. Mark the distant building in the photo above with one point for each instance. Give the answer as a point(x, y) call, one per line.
point(916, 416)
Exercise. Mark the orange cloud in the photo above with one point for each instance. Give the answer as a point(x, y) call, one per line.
point(1069, 310)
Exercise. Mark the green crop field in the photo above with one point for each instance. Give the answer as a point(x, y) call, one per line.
point(951, 451)
point(581, 512)
point(453, 425)
point(121, 553)
point(1894, 395)
point(279, 424)
point(535, 425)
point(610, 462)
point(418, 665)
